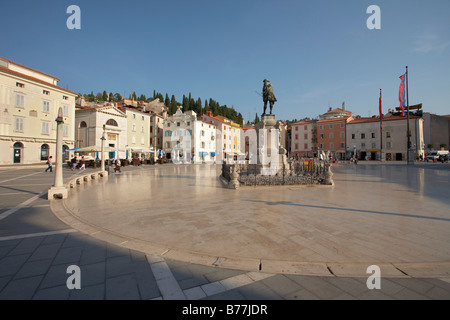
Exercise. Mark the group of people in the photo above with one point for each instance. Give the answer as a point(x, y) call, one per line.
point(78, 164)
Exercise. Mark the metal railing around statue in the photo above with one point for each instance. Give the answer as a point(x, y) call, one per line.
point(292, 172)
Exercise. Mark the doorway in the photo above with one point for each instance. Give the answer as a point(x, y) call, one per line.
point(18, 148)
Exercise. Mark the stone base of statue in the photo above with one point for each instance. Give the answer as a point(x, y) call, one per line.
point(57, 193)
point(270, 145)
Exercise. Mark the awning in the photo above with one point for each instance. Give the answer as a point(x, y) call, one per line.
point(94, 149)
point(142, 150)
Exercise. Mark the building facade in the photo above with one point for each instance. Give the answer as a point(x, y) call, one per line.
point(92, 122)
point(331, 137)
point(29, 104)
point(436, 131)
point(364, 138)
point(138, 133)
point(228, 136)
point(303, 139)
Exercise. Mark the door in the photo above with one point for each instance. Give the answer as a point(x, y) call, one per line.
point(17, 152)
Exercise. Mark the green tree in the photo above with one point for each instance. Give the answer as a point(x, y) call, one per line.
point(104, 96)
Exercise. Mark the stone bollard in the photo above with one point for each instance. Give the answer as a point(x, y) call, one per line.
point(328, 175)
point(234, 175)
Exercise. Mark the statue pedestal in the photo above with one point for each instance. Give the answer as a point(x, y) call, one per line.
point(271, 150)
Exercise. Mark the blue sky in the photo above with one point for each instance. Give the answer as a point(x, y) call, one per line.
point(317, 54)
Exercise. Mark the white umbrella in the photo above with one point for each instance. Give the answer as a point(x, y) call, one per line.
point(96, 149)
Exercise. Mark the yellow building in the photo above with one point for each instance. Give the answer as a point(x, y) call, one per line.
point(228, 136)
point(29, 103)
point(138, 132)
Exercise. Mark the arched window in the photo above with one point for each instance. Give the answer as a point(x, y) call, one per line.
point(112, 122)
point(83, 124)
point(44, 152)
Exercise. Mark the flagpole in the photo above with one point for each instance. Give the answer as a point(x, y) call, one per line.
point(408, 133)
point(381, 130)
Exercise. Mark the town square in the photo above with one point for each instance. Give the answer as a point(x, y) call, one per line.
point(122, 176)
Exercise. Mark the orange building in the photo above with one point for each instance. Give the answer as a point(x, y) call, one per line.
point(331, 136)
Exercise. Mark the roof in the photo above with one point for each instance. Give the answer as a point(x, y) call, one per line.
point(45, 74)
point(302, 122)
point(377, 119)
point(36, 80)
point(343, 119)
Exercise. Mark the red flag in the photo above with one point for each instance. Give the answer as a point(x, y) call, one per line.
point(402, 94)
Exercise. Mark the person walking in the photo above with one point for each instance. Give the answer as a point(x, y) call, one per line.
point(74, 163)
point(50, 164)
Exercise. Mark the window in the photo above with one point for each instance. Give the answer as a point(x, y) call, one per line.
point(134, 115)
point(47, 93)
point(321, 145)
point(331, 145)
point(331, 126)
point(296, 128)
point(388, 134)
point(168, 124)
point(296, 137)
point(321, 127)
point(305, 136)
point(142, 129)
point(65, 130)
point(18, 124)
point(65, 98)
point(342, 145)
point(342, 134)
point(45, 127)
point(178, 124)
point(296, 146)
point(46, 106)
point(142, 140)
point(306, 146)
point(133, 139)
point(83, 124)
point(321, 136)
point(112, 122)
point(342, 125)
point(363, 135)
point(134, 127)
point(331, 135)
point(305, 127)
point(142, 118)
point(388, 145)
point(20, 85)
point(20, 100)
point(363, 145)
point(188, 123)
point(374, 145)
point(353, 136)
point(65, 110)
point(373, 134)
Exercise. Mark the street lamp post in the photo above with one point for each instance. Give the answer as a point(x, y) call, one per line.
point(58, 190)
point(103, 149)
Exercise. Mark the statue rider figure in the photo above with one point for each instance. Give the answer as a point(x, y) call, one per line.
point(268, 96)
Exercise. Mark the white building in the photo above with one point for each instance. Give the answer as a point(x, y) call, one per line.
point(364, 136)
point(187, 139)
point(29, 103)
point(89, 129)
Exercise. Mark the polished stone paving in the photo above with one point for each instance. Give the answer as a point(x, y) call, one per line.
point(36, 248)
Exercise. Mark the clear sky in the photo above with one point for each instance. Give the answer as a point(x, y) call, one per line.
point(317, 54)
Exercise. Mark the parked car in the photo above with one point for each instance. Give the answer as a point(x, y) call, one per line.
point(444, 158)
point(434, 155)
